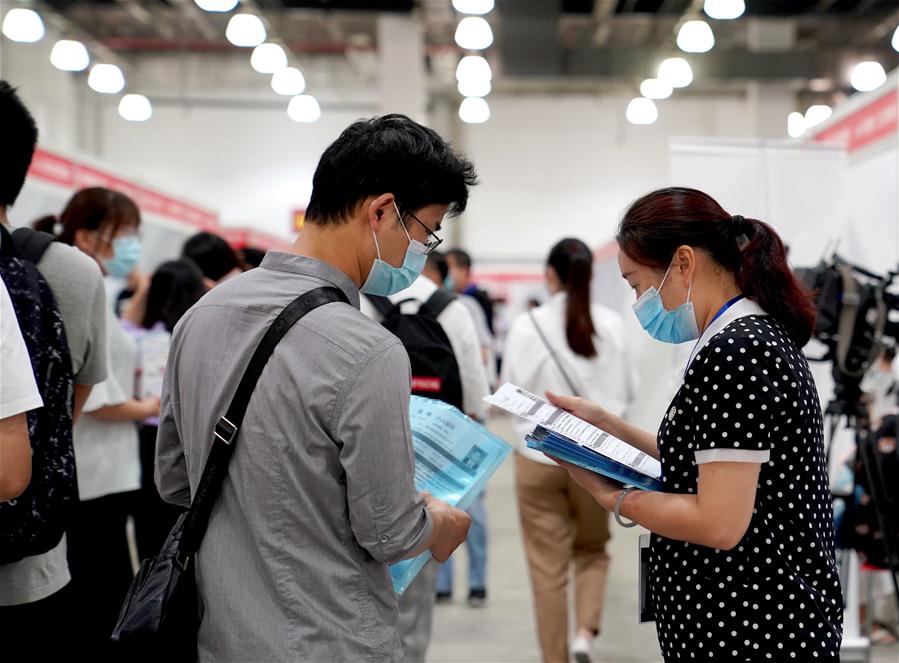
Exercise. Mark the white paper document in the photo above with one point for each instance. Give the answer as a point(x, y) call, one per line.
point(536, 410)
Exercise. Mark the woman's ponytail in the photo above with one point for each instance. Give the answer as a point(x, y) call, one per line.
point(46, 224)
point(764, 275)
point(572, 261)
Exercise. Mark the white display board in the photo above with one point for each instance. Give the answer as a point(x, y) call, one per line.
point(801, 190)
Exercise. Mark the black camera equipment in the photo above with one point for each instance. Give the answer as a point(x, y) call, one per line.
point(857, 314)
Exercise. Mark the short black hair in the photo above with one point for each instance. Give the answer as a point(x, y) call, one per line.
point(175, 287)
point(19, 143)
point(436, 260)
point(252, 256)
point(462, 258)
point(388, 154)
point(212, 254)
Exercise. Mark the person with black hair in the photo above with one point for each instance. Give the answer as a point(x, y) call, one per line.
point(213, 256)
point(252, 256)
point(459, 280)
point(319, 495)
point(36, 591)
point(568, 344)
point(151, 317)
point(741, 561)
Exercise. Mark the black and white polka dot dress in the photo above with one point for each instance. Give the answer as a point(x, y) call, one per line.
point(776, 596)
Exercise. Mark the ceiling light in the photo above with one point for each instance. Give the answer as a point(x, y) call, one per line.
point(474, 110)
point(304, 108)
point(268, 58)
point(724, 9)
point(642, 111)
point(245, 30)
point(288, 81)
point(217, 5)
point(69, 55)
point(676, 72)
point(473, 67)
point(655, 88)
point(695, 37)
point(817, 114)
point(795, 124)
point(474, 34)
point(135, 108)
point(479, 7)
point(895, 41)
point(23, 25)
point(867, 76)
point(474, 87)
point(106, 78)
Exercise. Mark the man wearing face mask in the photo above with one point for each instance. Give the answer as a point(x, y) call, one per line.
point(319, 495)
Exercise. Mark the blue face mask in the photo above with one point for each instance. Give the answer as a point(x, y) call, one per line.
point(384, 279)
point(449, 283)
point(677, 326)
point(126, 254)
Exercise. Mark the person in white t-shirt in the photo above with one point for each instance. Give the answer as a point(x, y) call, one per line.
point(18, 395)
point(104, 224)
point(572, 346)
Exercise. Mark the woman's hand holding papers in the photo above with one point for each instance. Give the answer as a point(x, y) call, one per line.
point(603, 490)
point(595, 414)
point(581, 408)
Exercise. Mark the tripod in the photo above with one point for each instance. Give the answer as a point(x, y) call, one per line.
point(856, 415)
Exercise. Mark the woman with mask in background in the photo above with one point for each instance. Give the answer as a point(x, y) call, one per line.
point(104, 224)
point(569, 345)
point(741, 561)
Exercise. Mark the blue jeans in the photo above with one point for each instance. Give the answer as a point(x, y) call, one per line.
point(477, 552)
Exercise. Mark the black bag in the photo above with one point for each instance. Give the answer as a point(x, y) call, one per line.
point(34, 522)
point(435, 371)
point(160, 617)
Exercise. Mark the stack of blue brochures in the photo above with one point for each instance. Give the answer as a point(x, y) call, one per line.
point(454, 458)
point(554, 444)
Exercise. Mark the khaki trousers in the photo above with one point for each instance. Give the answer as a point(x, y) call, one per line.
point(561, 524)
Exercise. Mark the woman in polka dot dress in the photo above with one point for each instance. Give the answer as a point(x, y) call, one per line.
point(742, 561)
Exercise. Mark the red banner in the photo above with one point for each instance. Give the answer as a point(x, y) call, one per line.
point(65, 172)
point(865, 126)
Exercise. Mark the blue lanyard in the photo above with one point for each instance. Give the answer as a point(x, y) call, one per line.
point(724, 308)
point(720, 312)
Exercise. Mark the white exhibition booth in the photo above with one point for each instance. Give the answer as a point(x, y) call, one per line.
point(168, 218)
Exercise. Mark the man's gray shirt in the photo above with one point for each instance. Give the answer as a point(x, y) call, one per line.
point(319, 496)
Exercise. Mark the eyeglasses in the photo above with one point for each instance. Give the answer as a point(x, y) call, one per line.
point(435, 241)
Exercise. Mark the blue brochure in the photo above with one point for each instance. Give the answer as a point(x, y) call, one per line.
point(454, 459)
point(576, 441)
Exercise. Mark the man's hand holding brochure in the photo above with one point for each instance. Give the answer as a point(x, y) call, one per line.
point(454, 458)
point(564, 436)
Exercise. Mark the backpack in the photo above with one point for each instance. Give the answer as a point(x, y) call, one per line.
point(34, 522)
point(435, 371)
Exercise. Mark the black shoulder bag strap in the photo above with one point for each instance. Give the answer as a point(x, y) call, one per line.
point(382, 304)
point(552, 353)
point(438, 302)
point(228, 426)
